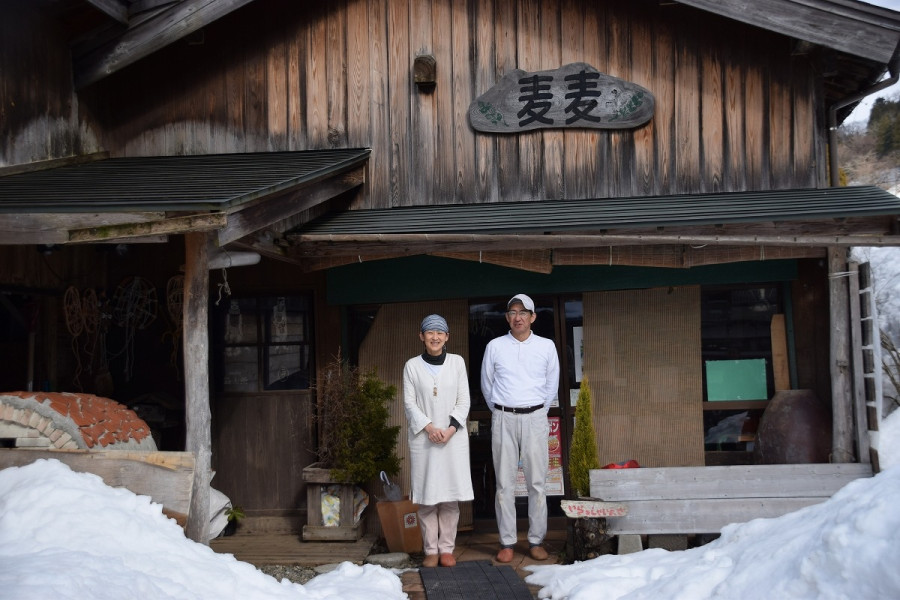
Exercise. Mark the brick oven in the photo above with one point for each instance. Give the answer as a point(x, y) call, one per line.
point(70, 421)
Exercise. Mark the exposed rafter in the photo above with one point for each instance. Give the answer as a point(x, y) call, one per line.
point(144, 38)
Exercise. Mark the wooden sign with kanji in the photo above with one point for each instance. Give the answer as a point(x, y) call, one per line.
point(575, 95)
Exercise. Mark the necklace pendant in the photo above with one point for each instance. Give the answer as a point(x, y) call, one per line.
point(434, 392)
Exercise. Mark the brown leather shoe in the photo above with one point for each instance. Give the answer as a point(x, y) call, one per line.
point(431, 560)
point(505, 555)
point(447, 560)
point(538, 553)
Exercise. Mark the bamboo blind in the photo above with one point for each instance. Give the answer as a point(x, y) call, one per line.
point(642, 359)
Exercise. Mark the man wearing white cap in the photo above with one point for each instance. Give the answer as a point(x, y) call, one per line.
point(519, 380)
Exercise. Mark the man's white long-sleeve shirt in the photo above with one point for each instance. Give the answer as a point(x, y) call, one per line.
point(520, 374)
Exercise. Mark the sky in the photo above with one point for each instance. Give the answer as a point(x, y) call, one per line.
point(860, 114)
point(68, 535)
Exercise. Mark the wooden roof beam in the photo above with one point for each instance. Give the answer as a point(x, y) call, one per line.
point(112, 9)
point(317, 245)
point(149, 36)
point(267, 214)
point(131, 231)
point(868, 31)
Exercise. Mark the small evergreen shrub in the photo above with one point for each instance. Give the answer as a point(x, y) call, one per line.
point(355, 441)
point(583, 455)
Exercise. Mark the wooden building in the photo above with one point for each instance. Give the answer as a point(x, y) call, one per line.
point(343, 145)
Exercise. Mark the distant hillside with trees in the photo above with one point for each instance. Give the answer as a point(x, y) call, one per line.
point(869, 153)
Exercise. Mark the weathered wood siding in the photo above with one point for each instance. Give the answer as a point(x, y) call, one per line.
point(39, 113)
point(735, 109)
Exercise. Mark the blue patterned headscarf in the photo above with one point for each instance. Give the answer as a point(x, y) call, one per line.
point(435, 323)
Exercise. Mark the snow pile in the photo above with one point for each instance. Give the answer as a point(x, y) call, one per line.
point(843, 548)
point(69, 535)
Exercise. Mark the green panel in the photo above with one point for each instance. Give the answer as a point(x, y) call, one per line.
point(736, 379)
point(432, 278)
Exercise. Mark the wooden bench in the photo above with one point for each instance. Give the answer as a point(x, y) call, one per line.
point(702, 500)
point(167, 477)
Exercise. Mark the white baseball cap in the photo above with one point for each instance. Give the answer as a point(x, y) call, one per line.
point(527, 302)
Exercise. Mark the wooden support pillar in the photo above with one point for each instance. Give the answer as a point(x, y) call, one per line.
point(841, 389)
point(198, 418)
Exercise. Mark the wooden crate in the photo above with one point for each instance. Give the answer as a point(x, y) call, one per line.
point(316, 479)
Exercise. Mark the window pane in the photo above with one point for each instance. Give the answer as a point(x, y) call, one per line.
point(287, 367)
point(574, 346)
point(240, 322)
point(240, 370)
point(730, 430)
point(286, 319)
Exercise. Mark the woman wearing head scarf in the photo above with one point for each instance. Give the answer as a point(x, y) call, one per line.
point(436, 399)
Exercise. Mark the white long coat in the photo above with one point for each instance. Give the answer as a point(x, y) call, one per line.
point(439, 472)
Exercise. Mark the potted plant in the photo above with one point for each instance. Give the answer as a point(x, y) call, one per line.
point(588, 533)
point(356, 444)
point(234, 515)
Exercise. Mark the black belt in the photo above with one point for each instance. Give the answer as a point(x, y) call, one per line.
point(519, 411)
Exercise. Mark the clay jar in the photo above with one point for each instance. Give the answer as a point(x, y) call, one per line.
point(795, 428)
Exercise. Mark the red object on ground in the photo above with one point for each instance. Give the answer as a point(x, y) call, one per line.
point(628, 464)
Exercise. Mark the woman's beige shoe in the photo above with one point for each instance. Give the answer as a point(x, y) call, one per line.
point(431, 560)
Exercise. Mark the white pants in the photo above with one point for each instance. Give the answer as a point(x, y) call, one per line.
point(438, 523)
point(521, 439)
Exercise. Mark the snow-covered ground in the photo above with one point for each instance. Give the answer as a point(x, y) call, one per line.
point(68, 535)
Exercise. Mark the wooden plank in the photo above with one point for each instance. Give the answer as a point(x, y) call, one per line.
point(164, 476)
point(755, 166)
point(575, 509)
point(289, 549)
point(712, 134)
point(687, 110)
point(734, 481)
point(277, 94)
point(505, 57)
point(399, 82)
point(645, 178)
point(336, 74)
point(425, 168)
point(663, 123)
point(378, 125)
point(554, 150)
point(701, 515)
point(733, 92)
point(462, 146)
point(780, 361)
point(483, 72)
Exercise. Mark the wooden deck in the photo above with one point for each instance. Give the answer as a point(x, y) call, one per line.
point(289, 549)
point(479, 544)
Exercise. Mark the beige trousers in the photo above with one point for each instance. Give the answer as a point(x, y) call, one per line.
point(438, 523)
point(520, 440)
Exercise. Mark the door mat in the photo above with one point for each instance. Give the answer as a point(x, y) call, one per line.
point(474, 579)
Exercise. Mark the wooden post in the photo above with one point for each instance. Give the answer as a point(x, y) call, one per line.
point(841, 394)
point(196, 379)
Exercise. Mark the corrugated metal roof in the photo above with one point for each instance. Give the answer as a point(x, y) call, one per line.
point(614, 213)
point(170, 183)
